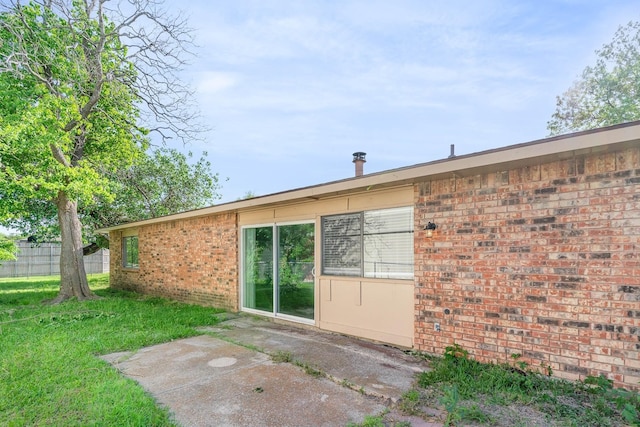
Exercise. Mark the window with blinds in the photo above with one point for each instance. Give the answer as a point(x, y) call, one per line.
point(342, 245)
point(376, 244)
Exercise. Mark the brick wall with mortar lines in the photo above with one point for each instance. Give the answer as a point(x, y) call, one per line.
point(541, 261)
point(192, 260)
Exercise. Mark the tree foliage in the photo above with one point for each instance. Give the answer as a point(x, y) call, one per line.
point(58, 129)
point(7, 249)
point(78, 78)
point(608, 92)
point(161, 182)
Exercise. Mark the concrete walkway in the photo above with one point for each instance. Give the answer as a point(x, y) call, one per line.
point(231, 376)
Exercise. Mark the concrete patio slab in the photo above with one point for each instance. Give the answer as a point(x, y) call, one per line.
point(375, 369)
point(230, 379)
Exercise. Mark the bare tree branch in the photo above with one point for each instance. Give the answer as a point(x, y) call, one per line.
point(157, 45)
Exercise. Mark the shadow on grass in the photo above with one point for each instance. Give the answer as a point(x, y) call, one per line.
point(35, 290)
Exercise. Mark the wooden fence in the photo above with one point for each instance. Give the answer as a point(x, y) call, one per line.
point(43, 259)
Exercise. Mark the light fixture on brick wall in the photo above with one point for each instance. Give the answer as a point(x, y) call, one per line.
point(430, 227)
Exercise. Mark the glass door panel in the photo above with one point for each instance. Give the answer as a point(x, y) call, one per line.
point(258, 268)
point(295, 270)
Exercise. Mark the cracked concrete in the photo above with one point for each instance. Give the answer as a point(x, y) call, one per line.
point(228, 377)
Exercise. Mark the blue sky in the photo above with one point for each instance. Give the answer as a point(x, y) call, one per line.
point(290, 89)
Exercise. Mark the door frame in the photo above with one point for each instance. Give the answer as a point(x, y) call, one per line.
point(274, 313)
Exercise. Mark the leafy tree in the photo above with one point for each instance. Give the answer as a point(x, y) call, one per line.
point(164, 183)
point(77, 77)
point(608, 93)
point(161, 182)
point(7, 249)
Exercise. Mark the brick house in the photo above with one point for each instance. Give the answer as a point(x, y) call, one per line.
point(529, 249)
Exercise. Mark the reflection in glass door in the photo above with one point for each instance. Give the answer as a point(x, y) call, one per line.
point(295, 270)
point(258, 268)
point(288, 288)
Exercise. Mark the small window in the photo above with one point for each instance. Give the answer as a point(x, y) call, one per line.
point(130, 252)
point(375, 244)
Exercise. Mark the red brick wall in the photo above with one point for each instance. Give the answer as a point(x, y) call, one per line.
point(541, 261)
point(192, 260)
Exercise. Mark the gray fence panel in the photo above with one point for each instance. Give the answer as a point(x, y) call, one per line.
point(44, 260)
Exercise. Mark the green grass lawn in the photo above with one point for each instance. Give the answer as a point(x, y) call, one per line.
point(51, 375)
point(49, 370)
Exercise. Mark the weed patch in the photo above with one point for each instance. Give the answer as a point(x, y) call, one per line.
point(478, 393)
point(369, 421)
point(409, 403)
point(309, 370)
point(282, 357)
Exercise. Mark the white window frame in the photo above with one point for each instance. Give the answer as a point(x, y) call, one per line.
point(366, 251)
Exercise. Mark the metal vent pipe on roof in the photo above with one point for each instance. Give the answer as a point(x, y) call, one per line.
point(359, 160)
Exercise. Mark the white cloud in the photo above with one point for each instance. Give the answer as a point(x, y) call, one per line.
point(212, 82)
point(286, 80)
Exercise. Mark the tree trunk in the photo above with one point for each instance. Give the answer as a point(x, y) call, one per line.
point(73, 278)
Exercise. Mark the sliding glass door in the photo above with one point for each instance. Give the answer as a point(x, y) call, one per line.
point(258, 268)
point(278, 269)
point(295, 270)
